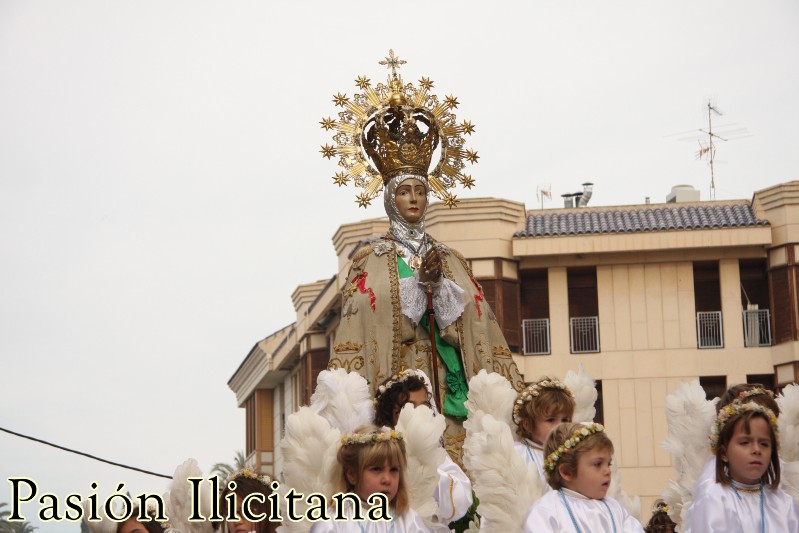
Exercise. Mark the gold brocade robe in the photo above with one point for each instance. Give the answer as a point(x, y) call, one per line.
point(376, 340)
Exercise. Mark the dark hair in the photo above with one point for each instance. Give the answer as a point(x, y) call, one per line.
point(559, 435)
point(244, 487)
point(150, 525)
point(734, 393)
point(660, 522)
point(395, 396)
point(772, 475)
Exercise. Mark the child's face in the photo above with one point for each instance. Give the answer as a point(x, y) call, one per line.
point(378, 478)
point(749, 454)
point(132, 526)
point(416, 397)
point(242, 525)
point(592, 479)
point(544, 424)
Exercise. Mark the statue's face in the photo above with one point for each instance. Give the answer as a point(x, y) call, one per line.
point(411, 197)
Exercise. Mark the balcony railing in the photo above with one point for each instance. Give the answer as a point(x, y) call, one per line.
point(535, 336)
point(709, 333)
point(584, 334)
point(757, 327)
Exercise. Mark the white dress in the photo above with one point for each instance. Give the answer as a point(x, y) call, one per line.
point(408, 522)
point(552, 514)
point(724, 509)
point(533, 454)
point(454, 491)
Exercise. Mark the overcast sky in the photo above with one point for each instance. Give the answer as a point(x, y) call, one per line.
point(162, 194)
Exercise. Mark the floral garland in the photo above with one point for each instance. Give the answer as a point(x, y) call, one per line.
point(152, 512)
point(738, 407)
point(578, 436)
point(370, 438)
point(398, 378)
point(757, 391)
point(264, 479)
point(534, 390)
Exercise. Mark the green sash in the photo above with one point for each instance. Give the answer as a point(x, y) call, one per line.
point(455, 378)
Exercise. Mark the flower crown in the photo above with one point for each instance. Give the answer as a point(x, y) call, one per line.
point(152, 512)
point(371, 438)
point(264, 479)
point(398, 378)
point(578, 436)
point(533, 390)
point(738, 407)
point(757, 391)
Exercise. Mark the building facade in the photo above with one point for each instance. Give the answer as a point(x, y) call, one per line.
point(645, 297)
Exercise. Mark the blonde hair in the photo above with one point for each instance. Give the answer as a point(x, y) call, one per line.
point(357, 457)
point(547, 402)
point(558, 436)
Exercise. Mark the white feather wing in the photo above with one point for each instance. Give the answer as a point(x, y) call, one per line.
point(504, 484)
point(583, 388)
point(422, 431)
point(690, 418)
point(491, 393)
point(179, 499)
point(343, 399)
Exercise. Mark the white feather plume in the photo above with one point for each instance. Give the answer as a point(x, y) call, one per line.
point(309, 451)
point(343, 399)
point(422, 431)
point(179, 500)
point(788, 400)
point(502, 481)
point(690, 419)
point(583, 388)
point(491, 393)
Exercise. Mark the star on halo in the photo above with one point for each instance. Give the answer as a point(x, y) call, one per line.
point(426, 83)
point(467, 181)
point(471, 156)
point(340, 178)
point(363, 200)
point(450, 200)
point(451, 101)
point(328, 123)
point(468, 127)
point(340, 99)
point(327, 151)
point(362, 82)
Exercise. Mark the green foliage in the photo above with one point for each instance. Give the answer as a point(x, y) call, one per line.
point(12, 527)
point(223, 470)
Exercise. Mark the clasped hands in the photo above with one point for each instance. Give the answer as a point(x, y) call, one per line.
point(430, 271)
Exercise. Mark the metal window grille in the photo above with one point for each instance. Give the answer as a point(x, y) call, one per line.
point(709, 333)
point(757, 327)
point(584, 334)
point(535, 333)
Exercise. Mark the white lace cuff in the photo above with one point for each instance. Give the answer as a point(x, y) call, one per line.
point(447, 300)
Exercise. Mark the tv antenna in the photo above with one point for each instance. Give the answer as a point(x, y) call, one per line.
point(543, 191)
point(707, 140)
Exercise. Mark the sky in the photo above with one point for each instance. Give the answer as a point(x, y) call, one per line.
point(162, 192)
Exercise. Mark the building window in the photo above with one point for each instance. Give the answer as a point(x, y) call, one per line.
point(714, 386)
point(535, 311)
point(755, 302)
point(707, 299)
point(583, 310)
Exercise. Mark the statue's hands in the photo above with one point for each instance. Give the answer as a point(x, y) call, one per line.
point(431, 267)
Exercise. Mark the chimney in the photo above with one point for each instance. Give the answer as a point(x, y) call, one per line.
point(585, 196)
point(682, 193)
point(568, 200)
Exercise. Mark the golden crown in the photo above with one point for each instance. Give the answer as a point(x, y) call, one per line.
point(396, 127)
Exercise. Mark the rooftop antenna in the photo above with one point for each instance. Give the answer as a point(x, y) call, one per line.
point(707, 147)
point(543, 191)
